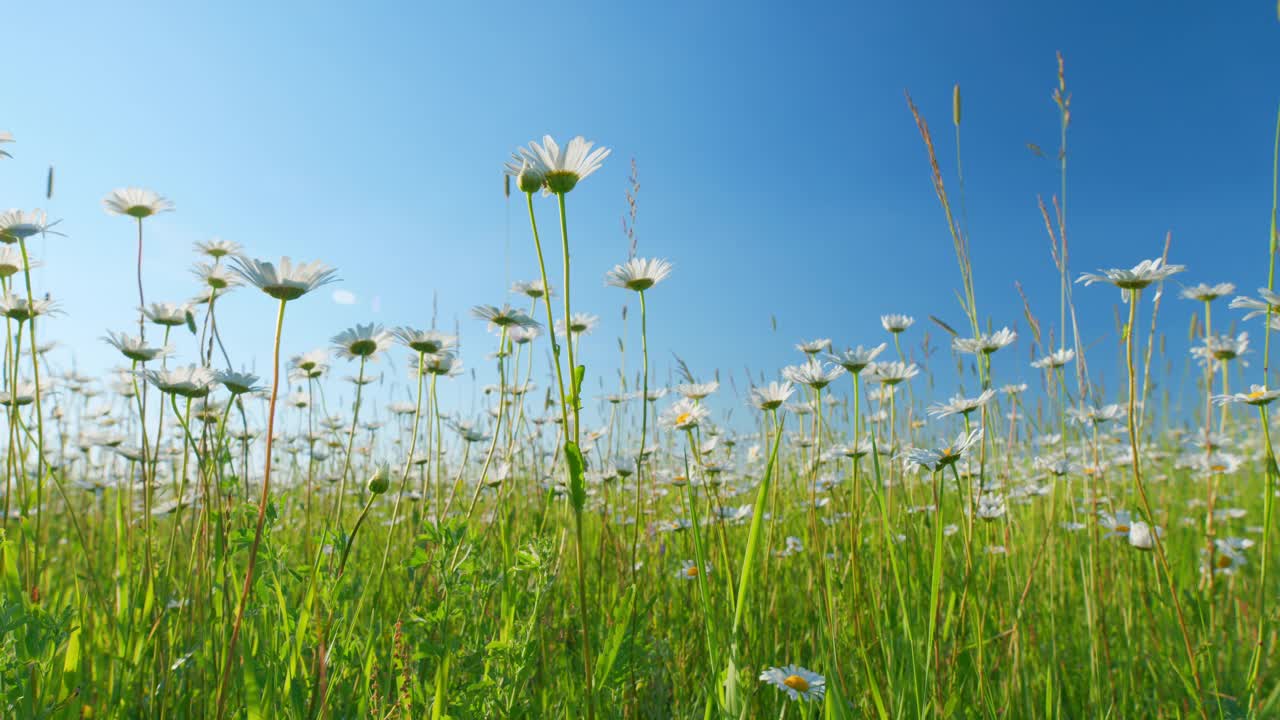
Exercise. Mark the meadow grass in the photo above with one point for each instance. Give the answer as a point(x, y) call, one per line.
point(183, 540)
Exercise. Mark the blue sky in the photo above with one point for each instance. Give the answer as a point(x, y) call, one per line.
point(781, 171)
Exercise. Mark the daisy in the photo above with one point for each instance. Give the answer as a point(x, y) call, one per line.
point(25, 395)
point(1222, 347)
point(1135, 278)
point(188, 381)
point(1270, 302)
point(892, 373)
point(425, 341)
point(134, 348)
point(1207, 293)
point(135, 202)
point(797, 682)
point(361, 341)
point(896, 323)
point(18, 225)
point(290, 281)
point(522, 335)
point(167, 314)
point(689, 570)
point(559, 169)
point(638, 274)
point(311, 364)
point(532, 288)
point(11, 262)
point(443, 363)
point(985, 344)
point(936, 459)
point(960, 405)
point(1257, 395)
point(813, 373)
point(1054, 359)
point(855, 360)
point(238, 383)
point(813, 347)
point(697, 391)
point(579, 323)
point(771, 396)
point(20, 309)
point(684, 414)
point(218, 248)
point(215, 276)
point(1140, 536)
point(505, 316)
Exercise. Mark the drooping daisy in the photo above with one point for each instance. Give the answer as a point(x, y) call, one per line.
point(684, 414)
point(855, 360)
point(771, 396)
point(638, 274)
point(797, 682)
point(560, 169)
point(697, 391)
point(290, 281)
point(813, 373)
point(896, 323)
point(985, 344)
point(135, 202)
point(361, 341)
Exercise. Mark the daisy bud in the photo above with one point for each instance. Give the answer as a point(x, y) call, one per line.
point(379, 482)
point(1140, 536)
point(530, 180)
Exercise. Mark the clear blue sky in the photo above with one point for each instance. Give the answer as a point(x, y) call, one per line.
point(781, 171)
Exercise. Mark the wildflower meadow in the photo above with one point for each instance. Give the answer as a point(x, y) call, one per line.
point(973, 514)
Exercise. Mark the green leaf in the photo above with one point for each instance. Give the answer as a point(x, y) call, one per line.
point(577, 469)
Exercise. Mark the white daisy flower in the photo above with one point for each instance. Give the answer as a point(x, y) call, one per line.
point(797, 682)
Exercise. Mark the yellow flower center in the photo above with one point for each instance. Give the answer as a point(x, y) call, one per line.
point(1223, 561)
point(1122, 528)
point(691, 571)
point(1218, 468)
point(797, 683)
point(1256, 394)
point(684, 418)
